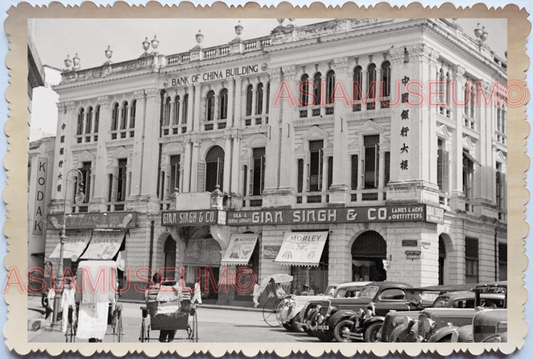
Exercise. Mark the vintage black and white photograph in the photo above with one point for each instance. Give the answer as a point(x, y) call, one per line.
point(267, 180)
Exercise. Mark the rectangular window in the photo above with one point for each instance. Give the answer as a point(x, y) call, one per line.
point(502, 261)
point(185, 108)
point(245, 181)
point(468, 178)
point(387, 168)
point(442, 166)
point(121, 180)
point(258, 180)
point(85, 183)
point(110, 188)
point(315, 165)
point(355, 171)
point(471, 260)
point(500, 186)
point(371, 161)
point(300, 175)
point(174, 184)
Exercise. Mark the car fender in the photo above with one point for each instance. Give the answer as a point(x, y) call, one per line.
point(339, 316)
point(365, 323)
point(442, 333)
point(466, 333)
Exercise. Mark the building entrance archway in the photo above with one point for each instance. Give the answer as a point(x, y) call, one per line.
point(368, 252)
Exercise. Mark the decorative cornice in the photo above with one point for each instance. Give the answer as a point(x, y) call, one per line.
point(396, 55)
point(151, 93)
point(341, 64)
point(138, 94)
point(422, 52)
point(459, 71)
point(274, 74)
point(289, 72)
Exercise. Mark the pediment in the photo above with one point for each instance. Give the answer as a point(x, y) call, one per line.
point(370, 127)
point(121, 152)
point(86, 156)
point(468, 144)
point(500, 157)
point(173, 148)
point(315, 132)
point(443, 132)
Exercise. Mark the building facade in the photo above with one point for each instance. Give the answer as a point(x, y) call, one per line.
point(314, 151)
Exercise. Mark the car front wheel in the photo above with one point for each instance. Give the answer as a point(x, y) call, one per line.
point(371, 333)
point(342, 331)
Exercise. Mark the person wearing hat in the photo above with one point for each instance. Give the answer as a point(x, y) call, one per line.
point(307, 290)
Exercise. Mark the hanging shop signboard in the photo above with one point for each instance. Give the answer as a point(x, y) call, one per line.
point(111, 220)
point(193, 218)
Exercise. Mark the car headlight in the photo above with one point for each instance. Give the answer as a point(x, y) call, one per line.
point(320, 319)
point(425, 326)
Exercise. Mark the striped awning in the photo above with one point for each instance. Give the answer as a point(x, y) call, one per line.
point(302, 248)
point(75, 244)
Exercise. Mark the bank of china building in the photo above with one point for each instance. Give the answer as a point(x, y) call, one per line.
point(209, 161)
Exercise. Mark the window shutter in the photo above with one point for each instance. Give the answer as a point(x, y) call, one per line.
point(300, 175)
point(387, 168)
point(355, 171)
point(200, 177)
point(376, 171)
point(504, 189)
point(245, 180)
point(320, 169)
point(445, 171)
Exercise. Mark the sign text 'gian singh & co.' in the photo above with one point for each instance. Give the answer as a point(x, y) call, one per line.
point(397, 213)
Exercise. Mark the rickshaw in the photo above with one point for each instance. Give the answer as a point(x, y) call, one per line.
point(170, 311)
point(276, 286)
point(93, 294)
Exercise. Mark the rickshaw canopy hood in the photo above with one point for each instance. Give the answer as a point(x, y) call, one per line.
point(97, 281)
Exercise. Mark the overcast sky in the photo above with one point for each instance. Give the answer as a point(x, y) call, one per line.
point(89, 38)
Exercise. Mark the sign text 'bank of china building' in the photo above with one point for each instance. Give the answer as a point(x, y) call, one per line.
point(357, 185)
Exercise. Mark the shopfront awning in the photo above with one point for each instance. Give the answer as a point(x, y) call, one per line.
point(104, 245)
point(240, 249)
point(75, 244)
point(202, 252)
point(302, 248)
point(471, 158)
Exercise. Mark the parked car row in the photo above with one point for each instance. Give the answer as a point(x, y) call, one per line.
point(397, 312)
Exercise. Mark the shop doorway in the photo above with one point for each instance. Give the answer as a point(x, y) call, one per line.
point(368, 252)
point(169, 250)
point(316, 277)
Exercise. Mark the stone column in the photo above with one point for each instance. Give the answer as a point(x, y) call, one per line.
point(186, 178)
point(237, 114)
point(190, 102)
point(235, 165)
point(340, 191)
point(216, 114)
point(272, 150)
point(286, 178)
point(194, 164)
point(264, 81)
point(231, 99)
point(197, 101)
point(254, 99)
point(138, 143)
point(456, 155)
point(378, 87)
point(227, 163)
point(151, 145)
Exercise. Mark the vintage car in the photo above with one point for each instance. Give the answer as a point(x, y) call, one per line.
point(344, 290)
point(490, 324)
point(379, 297)
point(392, 325)
point(289, 313)
point(452, 324)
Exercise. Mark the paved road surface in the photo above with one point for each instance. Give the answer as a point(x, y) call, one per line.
point(214, 325)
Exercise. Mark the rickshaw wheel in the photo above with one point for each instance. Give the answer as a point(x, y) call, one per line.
point(195, 327)
point(270, 312)
point(143, 328)
point(120, 332)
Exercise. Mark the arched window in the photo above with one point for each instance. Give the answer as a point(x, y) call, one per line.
point(214, 168)
point(97, 119)
point(371, 82)
point(124, 116)
point(89, 120)
point(81, 115)
point(166, 114)
point(185, 108)
point(385, 79)
point(330, 87)
point(249, 96)
point(472, 100)
point(114, 117)
point(175, 119)
point(357, 85)
point(504, 119)
point(259, 99)
point(223, 105)
point(133, 110)
point(304, 90)
point(210, 106)
point(317, 91)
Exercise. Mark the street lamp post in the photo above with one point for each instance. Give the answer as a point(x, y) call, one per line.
point(80, 197)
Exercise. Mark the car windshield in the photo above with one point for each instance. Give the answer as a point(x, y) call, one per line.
point(369, 292)
point(441, 302)
point(347, 292)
